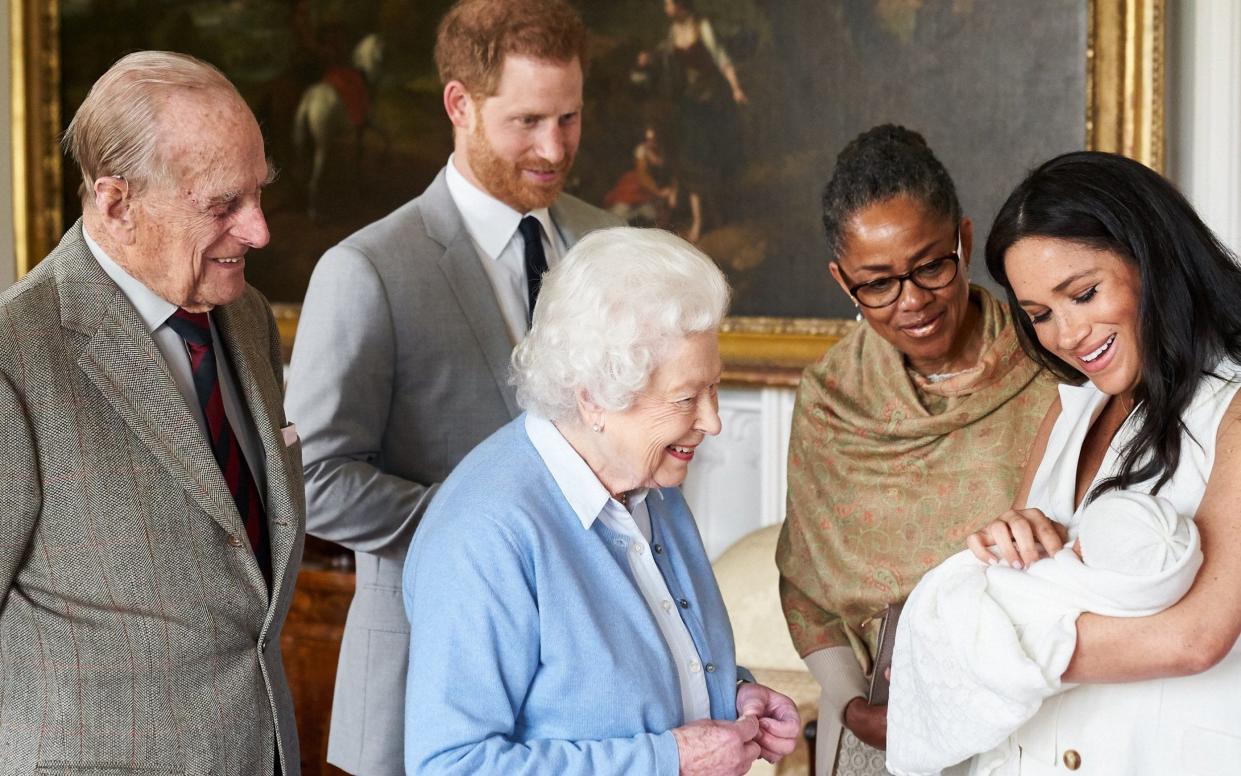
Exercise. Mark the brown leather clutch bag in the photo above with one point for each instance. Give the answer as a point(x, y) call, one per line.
point(878, 693)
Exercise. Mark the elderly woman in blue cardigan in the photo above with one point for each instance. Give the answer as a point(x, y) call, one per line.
point(563, 614)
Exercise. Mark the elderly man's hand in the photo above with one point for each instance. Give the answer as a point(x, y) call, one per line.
point(779, 724)
point(711, 747)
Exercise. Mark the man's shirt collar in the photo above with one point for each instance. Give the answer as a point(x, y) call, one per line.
point(152, 308)
point(489, 221)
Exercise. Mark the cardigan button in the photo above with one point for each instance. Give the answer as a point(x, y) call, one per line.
point(684, 603)
point(658, 548)
point(710, 668)
point(234, 540)
point(1072, 760)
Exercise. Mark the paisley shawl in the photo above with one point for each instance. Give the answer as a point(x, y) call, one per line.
point(889, 473)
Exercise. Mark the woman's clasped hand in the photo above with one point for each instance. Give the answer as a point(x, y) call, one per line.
point(767, 726)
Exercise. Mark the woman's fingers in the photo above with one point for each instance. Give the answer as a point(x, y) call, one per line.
point(750, 753)
point(712, 747)
point(747, 727)
point(1050, 534)
point(780, 728)
point(1000, 535)
point(1038, 533)
point(978, 544)
point(1024, 542)
point(1018, 537)
point(776, 743)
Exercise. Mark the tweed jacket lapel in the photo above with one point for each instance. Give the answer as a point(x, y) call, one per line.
point(123, 362)
point(464, 273)
point(262, 396)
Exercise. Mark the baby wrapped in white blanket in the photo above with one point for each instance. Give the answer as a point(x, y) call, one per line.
point(978, 648)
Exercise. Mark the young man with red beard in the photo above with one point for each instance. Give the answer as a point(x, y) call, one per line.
point(402, 352)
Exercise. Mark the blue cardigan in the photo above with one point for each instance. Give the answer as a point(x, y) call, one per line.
point(531, 648)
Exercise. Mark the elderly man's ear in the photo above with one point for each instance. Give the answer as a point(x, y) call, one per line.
point(115, 208)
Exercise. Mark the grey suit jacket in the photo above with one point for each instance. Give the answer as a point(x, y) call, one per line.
point(399, 369)
point(136, 630)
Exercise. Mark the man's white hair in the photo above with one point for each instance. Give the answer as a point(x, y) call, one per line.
point(609, 314)
point(116, 129)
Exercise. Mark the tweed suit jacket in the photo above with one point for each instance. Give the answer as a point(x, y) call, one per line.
point(137, 634)
point(399, 369)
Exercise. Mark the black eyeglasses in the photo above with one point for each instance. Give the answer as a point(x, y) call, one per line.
point(930, 276)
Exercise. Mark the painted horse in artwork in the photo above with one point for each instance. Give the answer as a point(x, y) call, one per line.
point(338, 104)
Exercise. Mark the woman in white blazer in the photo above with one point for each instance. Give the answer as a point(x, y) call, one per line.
point(1115, 279)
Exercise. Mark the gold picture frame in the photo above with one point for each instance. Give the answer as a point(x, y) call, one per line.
point(1124, 108)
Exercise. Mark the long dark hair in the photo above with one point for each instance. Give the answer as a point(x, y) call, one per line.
point(1190, 305)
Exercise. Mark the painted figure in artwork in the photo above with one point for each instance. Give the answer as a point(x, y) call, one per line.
point(339, 103)
point(645, 194)
point(695, 71)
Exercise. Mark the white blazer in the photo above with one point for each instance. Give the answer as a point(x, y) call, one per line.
point(1185, 725)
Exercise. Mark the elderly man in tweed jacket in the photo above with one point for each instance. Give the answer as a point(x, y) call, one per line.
point(153, 515)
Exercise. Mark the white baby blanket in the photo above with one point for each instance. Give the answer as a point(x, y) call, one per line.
point(979, 648)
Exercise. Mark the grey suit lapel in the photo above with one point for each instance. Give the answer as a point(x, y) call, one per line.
point(263, 402)
point(571, 220)
point(121, 359)
point(463, 270)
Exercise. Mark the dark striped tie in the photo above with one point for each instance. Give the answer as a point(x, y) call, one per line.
point(536, 260)
point(195, 329)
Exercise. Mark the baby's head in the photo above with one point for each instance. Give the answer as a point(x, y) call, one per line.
point(1132, 533)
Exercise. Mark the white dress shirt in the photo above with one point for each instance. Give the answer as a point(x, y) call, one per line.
point(591, 501)
point(154, 310)
point(492, 226)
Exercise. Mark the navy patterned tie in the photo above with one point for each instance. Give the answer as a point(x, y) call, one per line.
point(195, 329)
point(536, 261)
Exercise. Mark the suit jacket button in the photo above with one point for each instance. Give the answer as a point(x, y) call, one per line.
point(1072, 760)
point(234, 540)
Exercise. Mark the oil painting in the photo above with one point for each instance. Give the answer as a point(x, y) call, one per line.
point(718, 119)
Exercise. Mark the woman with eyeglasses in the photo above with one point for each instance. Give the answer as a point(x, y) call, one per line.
point(908, 435)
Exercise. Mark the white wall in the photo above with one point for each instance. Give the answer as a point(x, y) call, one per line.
point(737, 480)
point(1204, 110)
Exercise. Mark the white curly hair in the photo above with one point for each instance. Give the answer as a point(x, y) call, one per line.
point(607, 316)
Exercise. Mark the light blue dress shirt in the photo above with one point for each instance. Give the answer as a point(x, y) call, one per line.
point(532, 650)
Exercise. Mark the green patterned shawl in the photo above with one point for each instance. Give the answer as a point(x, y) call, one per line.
point(881, 488)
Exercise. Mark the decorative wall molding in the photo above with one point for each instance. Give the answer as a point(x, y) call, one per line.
point(736, 483)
